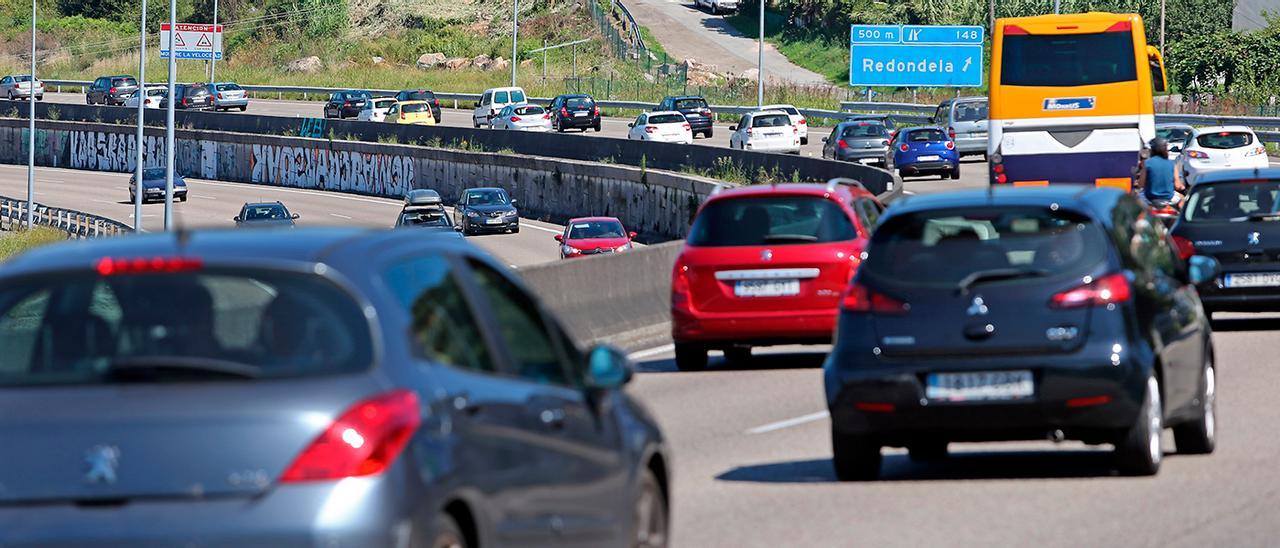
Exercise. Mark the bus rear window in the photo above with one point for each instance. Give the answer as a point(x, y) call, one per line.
point(1065, 60)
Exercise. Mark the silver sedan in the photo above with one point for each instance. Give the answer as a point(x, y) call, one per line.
point(229, 95)
point(19, 86)
point(524, 117)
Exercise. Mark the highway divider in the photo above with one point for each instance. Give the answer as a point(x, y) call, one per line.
point(77, 224)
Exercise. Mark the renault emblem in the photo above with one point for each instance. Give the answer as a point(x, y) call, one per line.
point(766, 255)
point(1254, 238)
point(978, 308)
point(102, 461)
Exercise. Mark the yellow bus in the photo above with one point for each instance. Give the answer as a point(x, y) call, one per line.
point(1070, 99)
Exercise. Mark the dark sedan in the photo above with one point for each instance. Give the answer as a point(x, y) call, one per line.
point(577, 111)
point(1021, 314)
point(486, 210)
point(190, 97)
point(154, 185)
point(338, 387)
point(346, 104)
point(422, 95)
point(265, 215)
point(860, 142)
point(695, 110)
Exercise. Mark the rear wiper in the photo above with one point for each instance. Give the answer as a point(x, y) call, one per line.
point(150, 367)
point(996, 274)
point(790, 238)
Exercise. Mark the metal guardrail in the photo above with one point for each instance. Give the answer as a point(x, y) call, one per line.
point(77, 224)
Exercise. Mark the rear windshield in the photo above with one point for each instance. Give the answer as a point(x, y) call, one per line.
point(227, 87)
point(415, 107)
point(425, 217)
point(682, 104)
point(971, 112)
point(1231, 202)
point(417, 96)
point(885, 120)
point(205, 325)
point(596, 229)
point(941, 248)
point(867, 130)
point(529, 110)
point(771, 220)
point(1174, 135)
point(926, 136)
point(667, 119)
point(157, 92)
point(123, 82)
point(1066, 60)
point(1225, 139)
point(771, 120)
point(384, 103)
point(22, 78)
point(579, 102)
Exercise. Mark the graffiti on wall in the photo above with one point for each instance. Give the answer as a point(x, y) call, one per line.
point(101, 151)
point(378, 174)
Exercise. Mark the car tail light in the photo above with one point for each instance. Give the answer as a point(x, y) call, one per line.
point(111, 266)
point(1256, 152)
point(680, 285)
point(951, 132)
point(803, 122)
point(951, 145)
point(1185, 247)
point(546, 116)
point(1110, 289)
point(402, 116)
point(1001, 178)
point(860, 299)
point(219, 95)
point(595, 111)
point(875, 407)
point(998, 168)
point(1015, 30)
point(686, 125)
point(748, 132)
point(1123, 26)
point(112, 90)
point(564, 112)
point(435, 102)
point(363, 441)
point(1197, 154)
point(186, 101)
point(903, 147)
point(795, 129)
point(841, 144)
point(515, 118)
point(706, 112)
point(650, 129)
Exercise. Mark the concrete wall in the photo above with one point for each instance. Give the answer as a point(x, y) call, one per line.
point(657, 204)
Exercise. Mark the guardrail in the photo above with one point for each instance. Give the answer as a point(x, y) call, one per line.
point(77, 224)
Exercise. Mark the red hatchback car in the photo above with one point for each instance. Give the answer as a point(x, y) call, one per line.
point(592, 236)
point(767, 265)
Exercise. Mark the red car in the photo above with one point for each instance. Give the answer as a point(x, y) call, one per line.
point(767, 265)
point(592, 236)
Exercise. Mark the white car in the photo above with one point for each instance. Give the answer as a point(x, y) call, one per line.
point(717, 6)
point(155, 94)
point(1224, 147)
point(797, 120)
point(767, 131)
point(376, 110)
point(15, 86)
point(1176, 135)
point(667, 126)
point(493, 101)
point(523, 118)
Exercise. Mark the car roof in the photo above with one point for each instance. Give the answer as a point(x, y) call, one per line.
point(1233, 175)
point(763, 112)
point(486, 188)
point(412, 102)
point(657, 112)
point(509, 88)
point(785, 189)
point(573, 95)
point(777, 106)
point(1083, 198)
point(918, 128)
point(589, 219)
point(259, 204)
point(679, 97)
point(416, 90)
point(1219, 129)
point(1174, 125)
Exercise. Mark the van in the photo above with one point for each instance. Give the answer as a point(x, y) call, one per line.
point(494, 100)
point(965, 119)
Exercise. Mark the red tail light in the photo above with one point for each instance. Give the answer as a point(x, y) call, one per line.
point(564, 112)
point(402, 116)
point(951, 132)
point(1106, 290)
point(903, 147)
point(515, 118)
point(112, 90)
point(546, 116)
point(802, 122)
point(841, 144)
point(679, 285)
point(435, 102)
point(1185, 247)
point(998, 168)
point(686, 125)
point(363, 441)
point(1123, 26)
point(951, 145)
point(112, 266)
point(650, 129)
point(1001, 178)
point(860, 299)
point(219, 95)
point(1015, 30)
point(706, 112)
point(595, 111)
point(186, 101)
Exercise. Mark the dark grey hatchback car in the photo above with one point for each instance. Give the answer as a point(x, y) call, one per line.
point(303, 388)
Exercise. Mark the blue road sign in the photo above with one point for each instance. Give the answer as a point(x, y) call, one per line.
point(915, 56)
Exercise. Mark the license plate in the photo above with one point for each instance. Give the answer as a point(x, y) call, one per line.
point(579, 114)
point(766, 288)
point(979, 386)
point(868, 161)
point(493, 221)
point(772, 134)
point(1260, 279)
point(928, 158)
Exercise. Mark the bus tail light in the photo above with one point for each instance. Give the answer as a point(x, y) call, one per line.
point(1015, 30)
point(1123, 26)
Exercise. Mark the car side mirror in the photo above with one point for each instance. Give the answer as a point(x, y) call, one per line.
point(457, 228)
point(294, 216)
point(884, 143)
point(514, 201)
point(559, 237)
point(1202, 269)
point(1175, 148)
point(733, 127)
point(236, 218)
point(824, 139)
point(631, 235)
point(631, 124)
point(608, 368)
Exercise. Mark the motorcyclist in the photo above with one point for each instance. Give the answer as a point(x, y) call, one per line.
point(1159, 179)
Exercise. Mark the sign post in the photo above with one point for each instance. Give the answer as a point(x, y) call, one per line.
point(192, 41)
point(915, 56)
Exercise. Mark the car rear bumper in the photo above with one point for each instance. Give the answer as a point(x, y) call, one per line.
point(19, 92)
point(1253, 299)
point(920, 168)
point(700, 123)
point(1084, 167)
point(851, 155)
point(774, 147)
point(228, 103)
point(756, 328)
point(576, 122)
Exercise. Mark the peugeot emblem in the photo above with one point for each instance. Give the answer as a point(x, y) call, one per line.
point(766, 255)
point(1254, 238)
point(978, 308)
point(102, 461)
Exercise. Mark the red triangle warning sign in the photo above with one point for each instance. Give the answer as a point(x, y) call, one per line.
point(204, 42)
point(177, 40)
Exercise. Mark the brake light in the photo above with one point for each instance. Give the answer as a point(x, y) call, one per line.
point(903, 147)
point(748, 132)
point(363, 441)
point(111, 266)
point(795, 129)
point(841, 144)
point(595, 111)
point(564, 112)
point(679, 285)
point(999, 168)
point(1015, 30)
point(219, 95)
point(687, 126)
point(951, 145)
point(515, 118)
point(186, 101)
point(706, 112)
point(402, 116)
point(1197, 154)
point(650, 129)
point(860, 299)
point(803, 122)
point(112, 90)
point(1185, 247)
point(1001, 178)
point(1106, 290)
point(1123, 26)
point(951, 132)
point(435, 102)
point(546, 116)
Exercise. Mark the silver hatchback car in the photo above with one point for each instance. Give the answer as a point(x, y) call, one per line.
point(229, 95)
point(316, 387)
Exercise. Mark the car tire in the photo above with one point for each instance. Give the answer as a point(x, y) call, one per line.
point(595, 127)
point(182, 198)
point(691, 357)
point(1140, 450)
point(515, 230)
point(737, 355)
point(651, 519)
point(711, 133)
point(1200, 436)
point(447, 533)
point(10, 95)
point(804, 141)
point(134, 198)
point(929, 451)
point(855, 458)
point(902, 174)
point(955, 174)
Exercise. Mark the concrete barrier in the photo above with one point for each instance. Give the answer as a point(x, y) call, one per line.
point(657, 204)
point(622, 299)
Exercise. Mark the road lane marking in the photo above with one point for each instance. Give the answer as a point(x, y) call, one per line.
point(536, 227)
point(642, 354)
point(803, 419)
point(340, 216)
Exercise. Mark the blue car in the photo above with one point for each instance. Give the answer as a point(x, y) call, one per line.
point(153, 185)
point(919, 151)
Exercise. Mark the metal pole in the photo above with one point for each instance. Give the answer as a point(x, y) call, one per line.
point(138, 189)
point(575, 62)
point(213, 57)
point(991, 17)
point(1161, 28)
point(515, 33)
point(168, 130)
point(544, 59)
point(31, 133)
point(1057, 5)
point(760, 62)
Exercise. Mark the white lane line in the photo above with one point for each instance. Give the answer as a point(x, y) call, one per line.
point(102, 201)
point(329, 193)
point(339, 216)
point(204, 197)
point(642, 354)
point(803, 419)
point(544, 229)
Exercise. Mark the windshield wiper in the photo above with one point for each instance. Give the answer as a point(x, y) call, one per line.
point(152, 367)
point(790, 238)
point(998, 274)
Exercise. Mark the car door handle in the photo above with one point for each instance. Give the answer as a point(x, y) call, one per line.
point(552, 418)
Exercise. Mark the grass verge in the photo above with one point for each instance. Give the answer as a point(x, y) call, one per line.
point(16, 242)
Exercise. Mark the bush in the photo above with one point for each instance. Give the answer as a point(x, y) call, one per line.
point(18, 241)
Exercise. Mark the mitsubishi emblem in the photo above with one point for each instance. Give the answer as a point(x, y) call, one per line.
point(1254, 238)
point(102, 461)
point(978, 308)
point(766, 255)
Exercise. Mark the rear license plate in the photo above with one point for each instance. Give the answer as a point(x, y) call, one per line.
point(979, 386)
point(580, 114)
point(929, 158)
point(766, 288)
point(1259, 279)
point(868, 160)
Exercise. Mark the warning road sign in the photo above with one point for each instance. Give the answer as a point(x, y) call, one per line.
point(192, 41)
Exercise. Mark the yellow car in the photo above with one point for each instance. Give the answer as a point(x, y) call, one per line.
point(411, 112)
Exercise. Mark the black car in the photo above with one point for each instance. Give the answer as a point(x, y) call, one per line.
point(486, 210)
point(266, 215)
point(574, 111)
point(154, 184)
point(695, 109)
point(422, 95)
point(365, 387)
point(1234, 217)
point(862, 142)
point(110, 90)
point(346, 104)
point(1021, 314)
point(190, 97)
